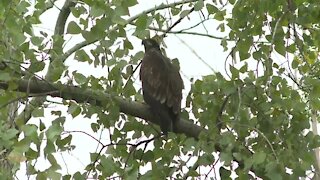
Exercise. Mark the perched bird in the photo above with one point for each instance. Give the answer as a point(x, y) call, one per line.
point(161, 85)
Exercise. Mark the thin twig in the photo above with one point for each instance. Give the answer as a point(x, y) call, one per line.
point(189, 33)
point(196, 54)
point(177, 22)
point(69, 132)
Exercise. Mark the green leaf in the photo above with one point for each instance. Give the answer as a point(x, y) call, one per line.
point(62, 142)
point(95, 127)
point(127, 44)
point(56, 70)
point(79, 176)
point(119, 20)
point(280, 48)
point(257, 55)
point(184, 13)
point(199, 5)
point(219, 16)
point(39, 112)
point(66, 177)
point(95, 11)
point(142, 34)
point(244, 68)
point(212, 9)
point(224, 174)
point(4, 76)
point(188, 144)
point(74, 109)
point(16, 157)
point(82, 56)
point(315, 91)
point(224, 44)
point(80, 78)
point(129, 3)
point(259, 157)
point(315, 141)
point(52, 174)
point(10, 134)
point(273, 171)
point(42, 126)
point(234, 72)
point(36, 66)
point(221, 27)
point(121, 11)
point(226, 157)
point(53, 162)
point(49, 148)
point(73, 28)
point(129, 90)
point(22, 146)
point(238, 156)
point(142, 22)
point(53, 132)
point(244, 55)
point(77, 11)
point(18, 38)
point(132, 173)
point(32, 154)
point(36, 40)
point(29, 129)
point(22, 7)
point(206, 159)
point(42, 176)
point(108, 163)
point(248, 162)
point(148, 156)
point(295, 63)
point(291, 48)
point(175, 11)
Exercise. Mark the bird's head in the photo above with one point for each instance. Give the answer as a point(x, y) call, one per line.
point(150, 43)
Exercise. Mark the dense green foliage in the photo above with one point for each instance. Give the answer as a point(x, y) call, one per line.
point(258, 112)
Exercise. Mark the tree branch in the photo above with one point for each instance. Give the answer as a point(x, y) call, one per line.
point(80, 95)
point(188, 33)
point(63, 16)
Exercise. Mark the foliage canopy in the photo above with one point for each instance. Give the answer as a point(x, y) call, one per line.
point(254, 119)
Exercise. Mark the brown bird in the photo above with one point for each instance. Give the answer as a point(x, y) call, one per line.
point(162, 86)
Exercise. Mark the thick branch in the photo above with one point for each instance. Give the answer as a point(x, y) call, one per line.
point(63, 16)
point(80, 95)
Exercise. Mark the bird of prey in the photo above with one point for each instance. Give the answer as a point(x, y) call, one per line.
point(161, 85)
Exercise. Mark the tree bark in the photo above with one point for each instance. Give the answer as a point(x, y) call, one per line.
point(133, 108)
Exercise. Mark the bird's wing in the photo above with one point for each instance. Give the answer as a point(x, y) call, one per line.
point(161, 80)
point(175, 86)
